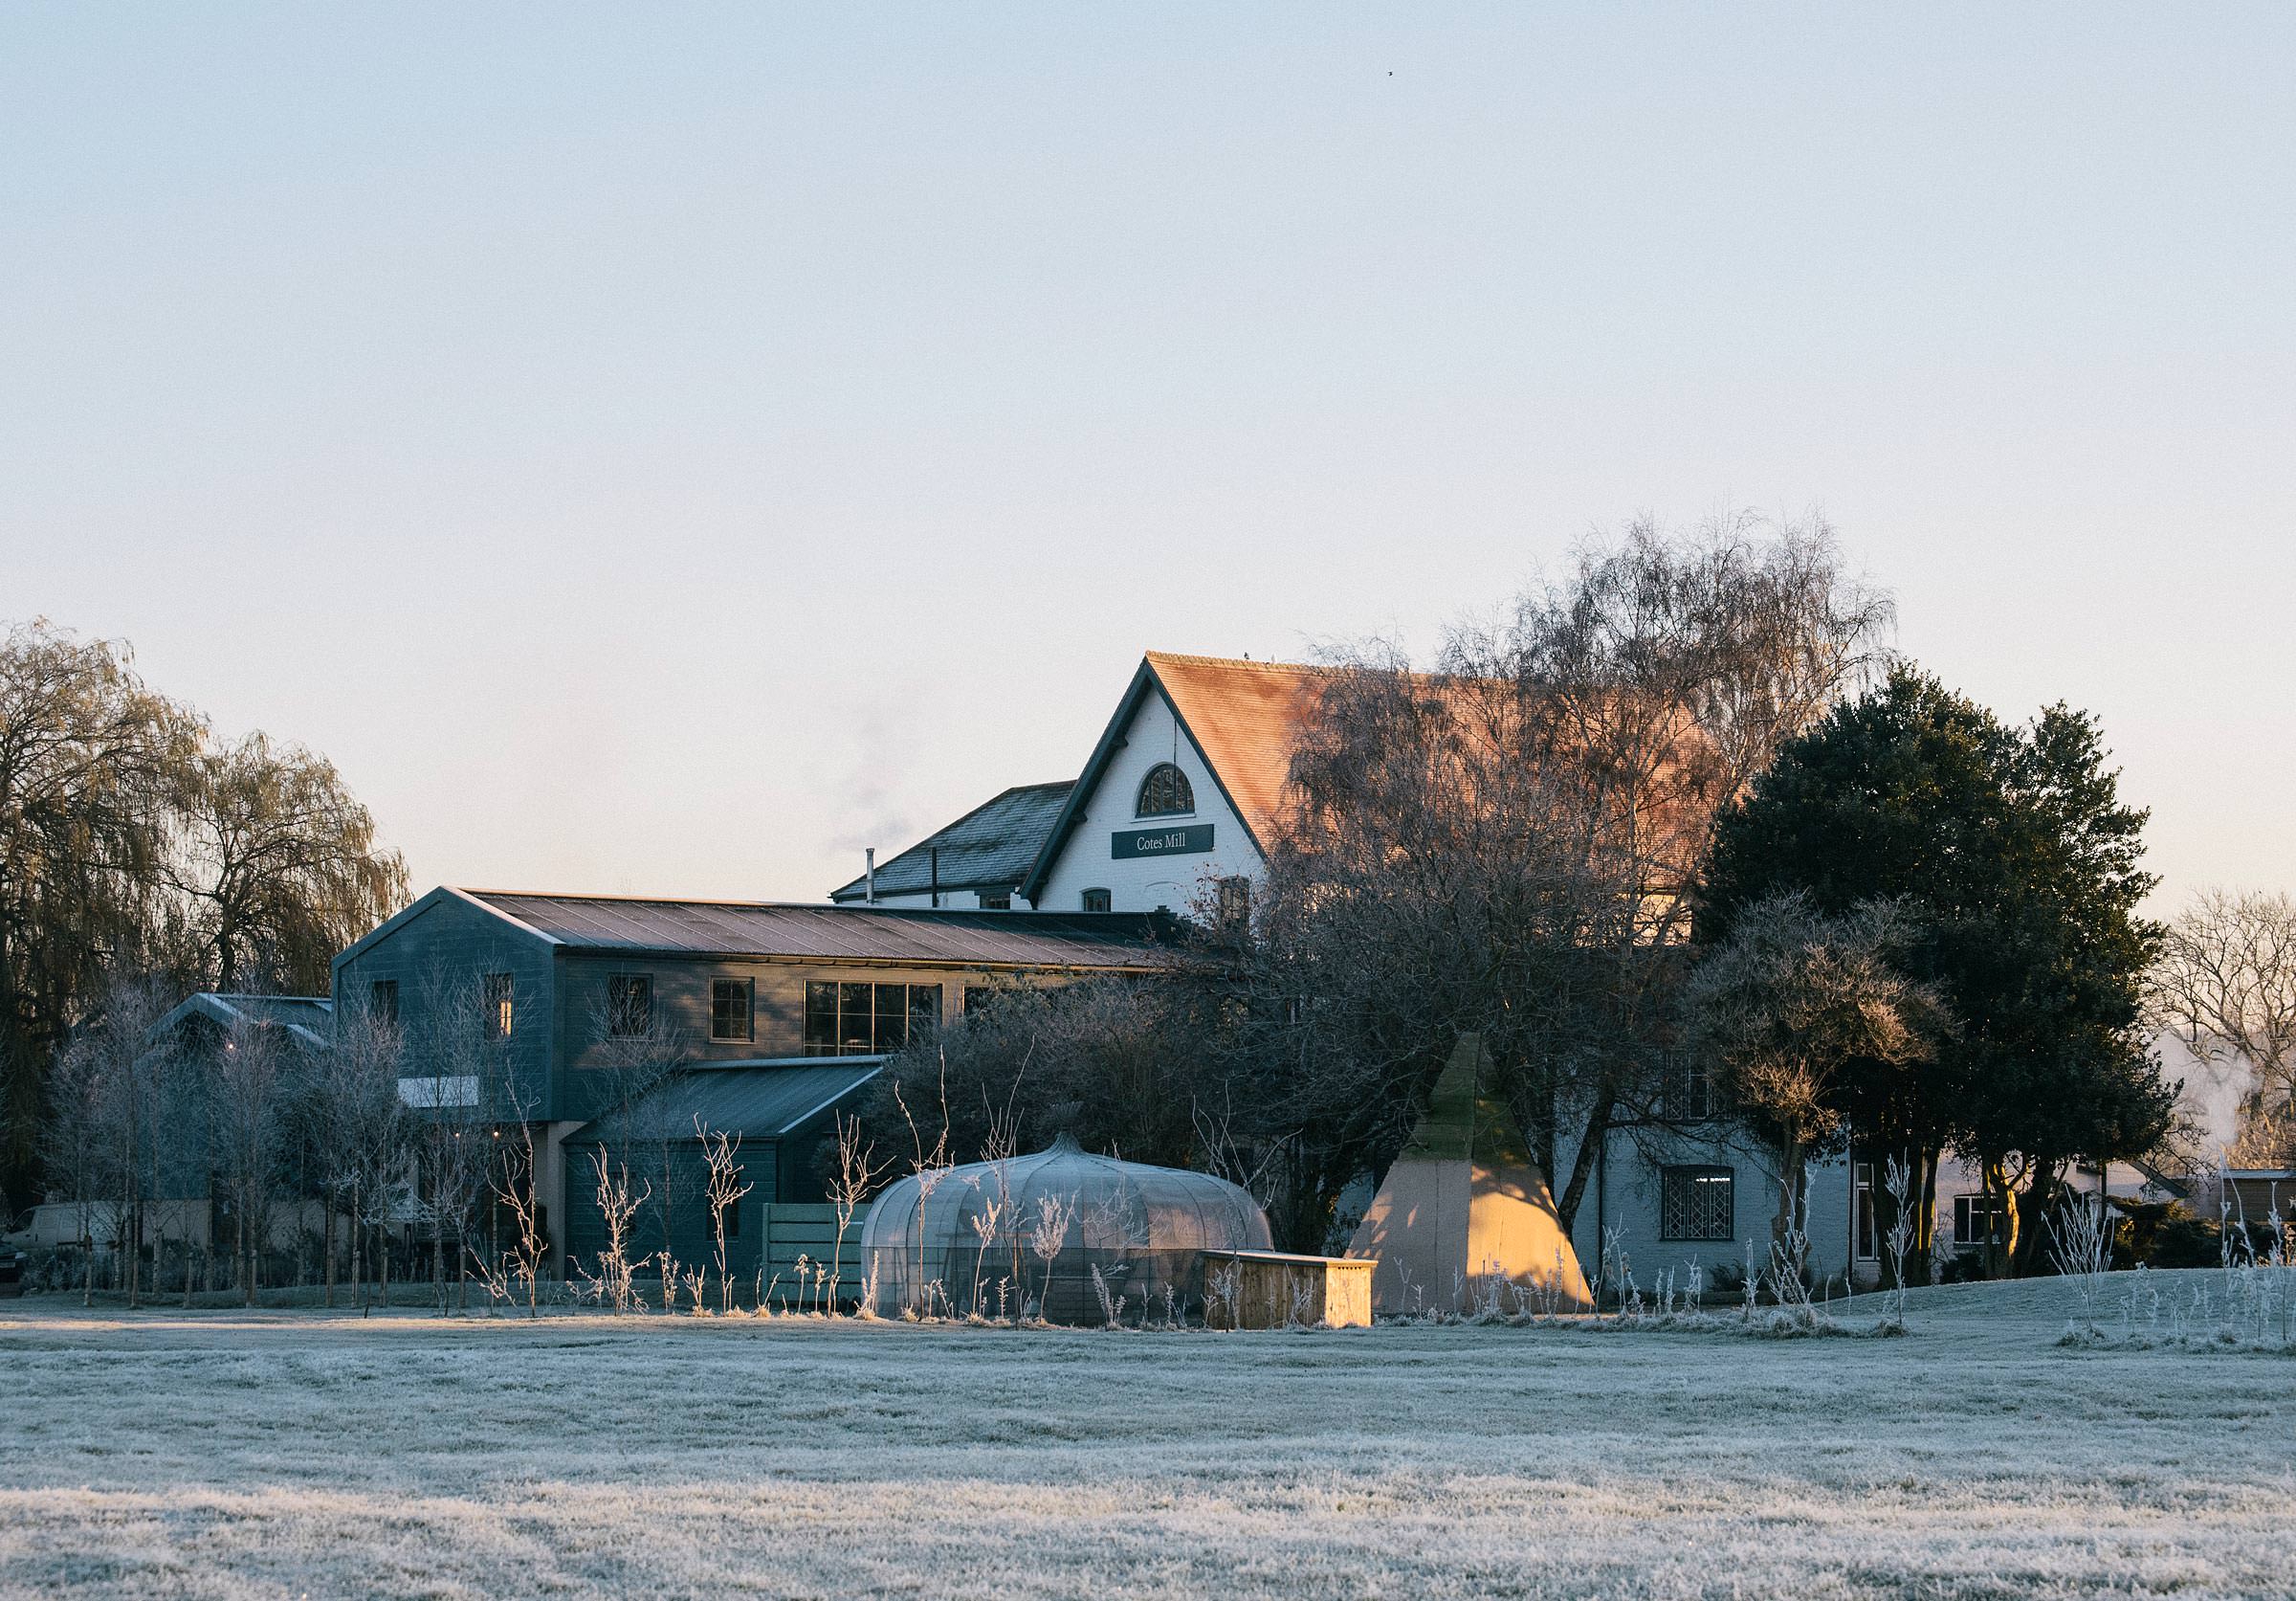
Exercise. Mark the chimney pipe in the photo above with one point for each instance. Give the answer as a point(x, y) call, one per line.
point(869, 876)
point(936, 875)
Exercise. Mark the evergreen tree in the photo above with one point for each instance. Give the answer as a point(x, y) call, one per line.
point(2012, 851)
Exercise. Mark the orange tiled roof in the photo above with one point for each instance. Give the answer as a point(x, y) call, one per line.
point(1246, 717)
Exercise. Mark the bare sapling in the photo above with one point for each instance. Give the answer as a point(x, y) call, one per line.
point(983, 1221)
point(617, 1205)
point(1897, 1180)
point(723, 1188)
point(930, 1164)
point(1047, 1234)
point(858, 1170)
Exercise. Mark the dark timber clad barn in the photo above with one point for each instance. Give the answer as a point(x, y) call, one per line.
point(743, 993)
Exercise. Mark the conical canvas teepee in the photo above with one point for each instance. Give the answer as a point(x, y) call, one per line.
point(1465, 1204)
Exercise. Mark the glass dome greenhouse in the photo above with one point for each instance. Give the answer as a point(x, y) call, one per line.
point(1026, 1234)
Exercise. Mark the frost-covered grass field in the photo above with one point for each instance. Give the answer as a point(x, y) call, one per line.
point(287, 1453)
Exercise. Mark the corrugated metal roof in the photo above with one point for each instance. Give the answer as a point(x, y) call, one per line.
point(990, 847)
point(757, 1100)
point(840, 933)
point(311, 1018)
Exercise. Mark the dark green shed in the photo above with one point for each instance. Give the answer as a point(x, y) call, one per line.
point(781, 1110)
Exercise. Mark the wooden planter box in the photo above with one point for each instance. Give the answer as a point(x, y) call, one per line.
point(1272, 1289)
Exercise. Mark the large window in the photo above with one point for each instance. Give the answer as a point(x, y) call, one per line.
point(864, 1019)
point(497, 1004)
point(1096, 901)
point(1976, 1219)
point(629, 1005)
point(1697, 1203)
point(382, 1001)
point(730, 1008)
point(1165, 793)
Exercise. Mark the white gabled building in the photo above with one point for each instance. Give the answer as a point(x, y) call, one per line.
point(1176, 808)
point(1179, 803)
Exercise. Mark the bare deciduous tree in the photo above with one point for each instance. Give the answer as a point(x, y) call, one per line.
point(359, 1127)
point(250, 1101)
point(1509, 842)
point(1790, 1002)
point(2226, 983)
point(856, 1178)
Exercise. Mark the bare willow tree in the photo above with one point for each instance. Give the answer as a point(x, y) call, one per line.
point(130, 838)
point(2226, 983)
point(1791, 1004)
point(1510, 840)
point(90, 761)
point(275, 865)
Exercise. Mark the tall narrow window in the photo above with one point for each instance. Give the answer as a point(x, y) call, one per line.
point(1096, 901)
point(821, 1019)
point(629, 1005)
point(1165, 793)
point(856, 1017)
point(1235, 903)
point(498, 999)
point(729, 1009)
point(382, 1001)
point(924, 1009)
point(1867, 1242)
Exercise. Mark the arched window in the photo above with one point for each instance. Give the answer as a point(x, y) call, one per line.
point(1165, 793)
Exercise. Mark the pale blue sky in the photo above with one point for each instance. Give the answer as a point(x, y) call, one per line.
point(665, 451)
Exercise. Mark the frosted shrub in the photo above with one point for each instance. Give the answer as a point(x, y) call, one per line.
point(1112, 1304)
point(1221, 1297)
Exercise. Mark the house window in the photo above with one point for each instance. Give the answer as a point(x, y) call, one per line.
point(1978, 1218)
point(497, 1005)
point(1697, 1203)
point(382, 1001)
point(629, 1005)
point(1687, 1093)
point(1235, 903)
point(1096, 901)
point(996, 901)
point(865, 1020)
point(1165, 793)
point(729, 1009)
